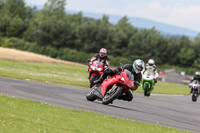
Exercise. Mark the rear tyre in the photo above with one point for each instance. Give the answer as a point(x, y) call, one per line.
point(92, 79)
point(90, 95)
point(111, 96)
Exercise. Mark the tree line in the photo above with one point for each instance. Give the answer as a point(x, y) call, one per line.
point(54, 32)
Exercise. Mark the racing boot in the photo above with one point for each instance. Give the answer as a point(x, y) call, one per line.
point(103, 76)
point(127, 97)
point(98, 81)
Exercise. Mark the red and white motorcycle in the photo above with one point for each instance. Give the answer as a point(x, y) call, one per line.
point(95, 71)
point(112, 88)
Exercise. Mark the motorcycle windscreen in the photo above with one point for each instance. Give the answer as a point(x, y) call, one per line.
point(97, 63)
point(129, 78)
point(129, 75)
point(195, 84)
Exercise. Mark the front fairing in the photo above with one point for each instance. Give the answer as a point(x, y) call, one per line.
point(96, 68)
point(123, 78)
point(149, 82)
point(195, 85)
point(148, 76)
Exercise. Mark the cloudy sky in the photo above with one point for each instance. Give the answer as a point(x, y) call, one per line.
point(183, 13)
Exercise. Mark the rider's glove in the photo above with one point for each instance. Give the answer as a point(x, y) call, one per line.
point(190, 85)
point(136, 84)
point(116, 70)
point(105, 67)
point(134, 88)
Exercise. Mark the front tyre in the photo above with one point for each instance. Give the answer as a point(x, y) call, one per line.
point(146, 89)
point(92, 79)
point(112, 94)
point(194, 96)
point(90, 95)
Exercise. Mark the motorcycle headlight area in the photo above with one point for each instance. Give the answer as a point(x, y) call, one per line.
point(122, 78)
point(99, 69)
point(195, 86)
point(93, 68)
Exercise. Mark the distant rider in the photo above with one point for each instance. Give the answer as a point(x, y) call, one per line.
point(196, 77)
point(151, 67)
point(134, 68)
point(102, 55)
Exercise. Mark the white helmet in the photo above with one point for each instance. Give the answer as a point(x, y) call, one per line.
point(102, 52)
point(197, 74)
point(138, 65)
point(151, 62)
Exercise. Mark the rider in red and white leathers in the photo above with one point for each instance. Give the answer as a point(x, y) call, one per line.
point(102, 56)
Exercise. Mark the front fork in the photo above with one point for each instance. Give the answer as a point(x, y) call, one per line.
point(150, 84)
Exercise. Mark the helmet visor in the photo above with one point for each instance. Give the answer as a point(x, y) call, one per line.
point(150, 64)
point(102, 54)
point(139, 68)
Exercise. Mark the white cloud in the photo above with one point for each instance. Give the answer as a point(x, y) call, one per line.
point(170, 12)
point(185, 17)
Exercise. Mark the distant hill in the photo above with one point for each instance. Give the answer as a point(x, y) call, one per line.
point(141, 23)
point(145, 23)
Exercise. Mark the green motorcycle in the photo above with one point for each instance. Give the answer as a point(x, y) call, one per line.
point(148, 83)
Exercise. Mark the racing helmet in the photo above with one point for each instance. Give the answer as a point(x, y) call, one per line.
point(151, 62)
point(197, 74)
point(103, 52)
point(138, 65)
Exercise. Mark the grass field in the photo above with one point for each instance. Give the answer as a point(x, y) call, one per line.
point(18, 55)
point(42, 72)
point(20, 115)
point(25, 116)
point(68, 74)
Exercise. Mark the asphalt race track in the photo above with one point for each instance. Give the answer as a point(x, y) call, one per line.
point(173, 111)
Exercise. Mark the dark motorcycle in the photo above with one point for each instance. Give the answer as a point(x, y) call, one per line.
point(112, 88)
point(195, 90)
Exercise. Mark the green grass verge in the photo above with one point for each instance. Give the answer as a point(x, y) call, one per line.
point(69, 74)
point(25, 116)
point(53, 73)
point(168, 88)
